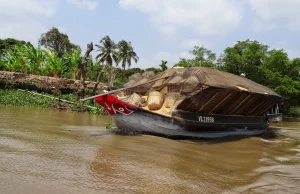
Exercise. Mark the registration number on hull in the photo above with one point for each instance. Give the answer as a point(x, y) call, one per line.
point(204, 119)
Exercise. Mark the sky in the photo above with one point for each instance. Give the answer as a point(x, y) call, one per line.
point(158, 29)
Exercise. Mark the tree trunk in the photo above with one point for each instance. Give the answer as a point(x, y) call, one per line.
point(97, 83)
point(112, 77)
point(83, 70)
point(98, 80)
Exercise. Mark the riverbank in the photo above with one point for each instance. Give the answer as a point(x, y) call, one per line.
point(50, 85)
point(32, 99)
point(53, 89)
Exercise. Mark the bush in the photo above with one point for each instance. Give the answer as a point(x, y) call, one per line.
point(293, 111)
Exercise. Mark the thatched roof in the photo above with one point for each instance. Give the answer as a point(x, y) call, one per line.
point(219, 79)
point(206, 77)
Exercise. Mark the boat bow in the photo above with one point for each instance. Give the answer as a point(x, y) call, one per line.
point(114, 105)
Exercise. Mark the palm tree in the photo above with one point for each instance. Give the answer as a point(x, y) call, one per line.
point(108, 54)
point(126, 53)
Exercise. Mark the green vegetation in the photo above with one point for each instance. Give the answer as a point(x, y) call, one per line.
point(10, 43)
point(201, 57)
point(126, 54)
point(17, 98)
point(109, 53)
point(28, 59)
point(57, 42)
point(293, 112)
point(163, 65)
point(21, 98)
point(56, 56)
point(108, 126)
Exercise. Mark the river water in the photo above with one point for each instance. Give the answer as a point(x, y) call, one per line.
point(45, 151)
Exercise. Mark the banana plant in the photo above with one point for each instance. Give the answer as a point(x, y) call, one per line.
point(54, 66)
point(35, 58)
point(73, 60)
point(11, 60)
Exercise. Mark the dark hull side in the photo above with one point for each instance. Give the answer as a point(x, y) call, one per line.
point(198, 121)
point(273, 118)
point(190, 124)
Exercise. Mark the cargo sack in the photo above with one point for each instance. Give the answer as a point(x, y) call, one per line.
point(174, 85)
point(171, 99)
point(143, 88)
point(133, 79)
point(189, 85)
point(148, 75)
point(134, 99)
point(155, 100)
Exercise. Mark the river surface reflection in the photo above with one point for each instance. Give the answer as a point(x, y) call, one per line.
point(45, 151)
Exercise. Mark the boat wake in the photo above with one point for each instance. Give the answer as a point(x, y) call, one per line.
point(89, 130)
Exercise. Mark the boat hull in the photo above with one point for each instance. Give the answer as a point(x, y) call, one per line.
point(130, 118)
point(148, 123)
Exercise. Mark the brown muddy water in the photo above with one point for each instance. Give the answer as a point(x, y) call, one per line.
point(45, 151)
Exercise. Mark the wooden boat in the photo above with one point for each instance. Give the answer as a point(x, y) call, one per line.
point(197, 102)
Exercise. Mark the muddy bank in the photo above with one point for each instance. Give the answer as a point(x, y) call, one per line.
point(14, 80)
